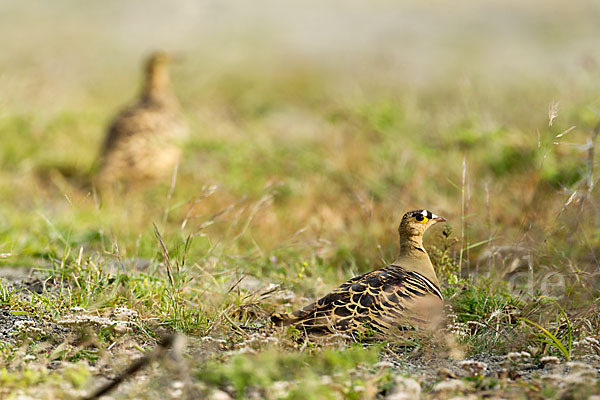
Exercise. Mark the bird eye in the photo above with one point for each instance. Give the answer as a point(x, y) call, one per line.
point(419, 217)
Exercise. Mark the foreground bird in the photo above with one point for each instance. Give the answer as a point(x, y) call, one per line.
point(141, 142)
point(403, 295)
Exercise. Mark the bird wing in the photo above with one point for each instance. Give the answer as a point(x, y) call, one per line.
point(142, 140)
point(379, 301)
point(139, 119)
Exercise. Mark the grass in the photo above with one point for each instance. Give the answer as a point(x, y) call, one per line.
point(293, 180)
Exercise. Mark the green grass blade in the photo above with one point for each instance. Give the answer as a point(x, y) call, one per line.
point(559, 345)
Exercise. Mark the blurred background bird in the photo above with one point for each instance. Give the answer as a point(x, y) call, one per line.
point(142, 141)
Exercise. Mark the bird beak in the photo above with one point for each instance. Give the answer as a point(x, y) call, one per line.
point(437, 218)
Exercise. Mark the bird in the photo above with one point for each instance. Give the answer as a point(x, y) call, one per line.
point(141, 142)
point(404, 295)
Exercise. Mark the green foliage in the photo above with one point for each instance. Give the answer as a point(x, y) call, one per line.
point(383, 116)
point(14, 152)
point(6, 294)
point(478, 301)
point(303, 370)
point(553, 339)
point(513, 159)
point(562, 173)
point(447, 268)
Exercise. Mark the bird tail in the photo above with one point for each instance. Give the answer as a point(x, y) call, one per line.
point(283, 319)
point(64, 174)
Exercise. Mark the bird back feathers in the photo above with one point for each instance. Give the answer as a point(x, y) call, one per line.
point(377, 302)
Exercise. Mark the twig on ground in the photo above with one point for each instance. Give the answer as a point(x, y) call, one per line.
point(137, 365)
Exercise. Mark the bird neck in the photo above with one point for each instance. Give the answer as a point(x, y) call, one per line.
point(411, 244)
point(157, 86)
point(413, 257)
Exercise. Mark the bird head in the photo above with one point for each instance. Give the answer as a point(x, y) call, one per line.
point(157, 83)
point(416, 222)
point(157, 60)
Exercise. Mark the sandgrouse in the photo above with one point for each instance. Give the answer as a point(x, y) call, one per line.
point(403, 295)
point(141, 142)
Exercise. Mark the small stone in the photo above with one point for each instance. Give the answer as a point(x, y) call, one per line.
point(326, 380)
point(592, 340)
point(400, 396)
point(451, 385)
point(219, 395)
point(383, 364)
point(280, 388)
point(404, 388)
point(515, 355)
point(445, 373)
point(124, 314)
point(550, 360)
point(177, 385)
point(473, 367)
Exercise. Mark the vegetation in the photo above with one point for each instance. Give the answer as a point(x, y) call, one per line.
point(294, 179)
